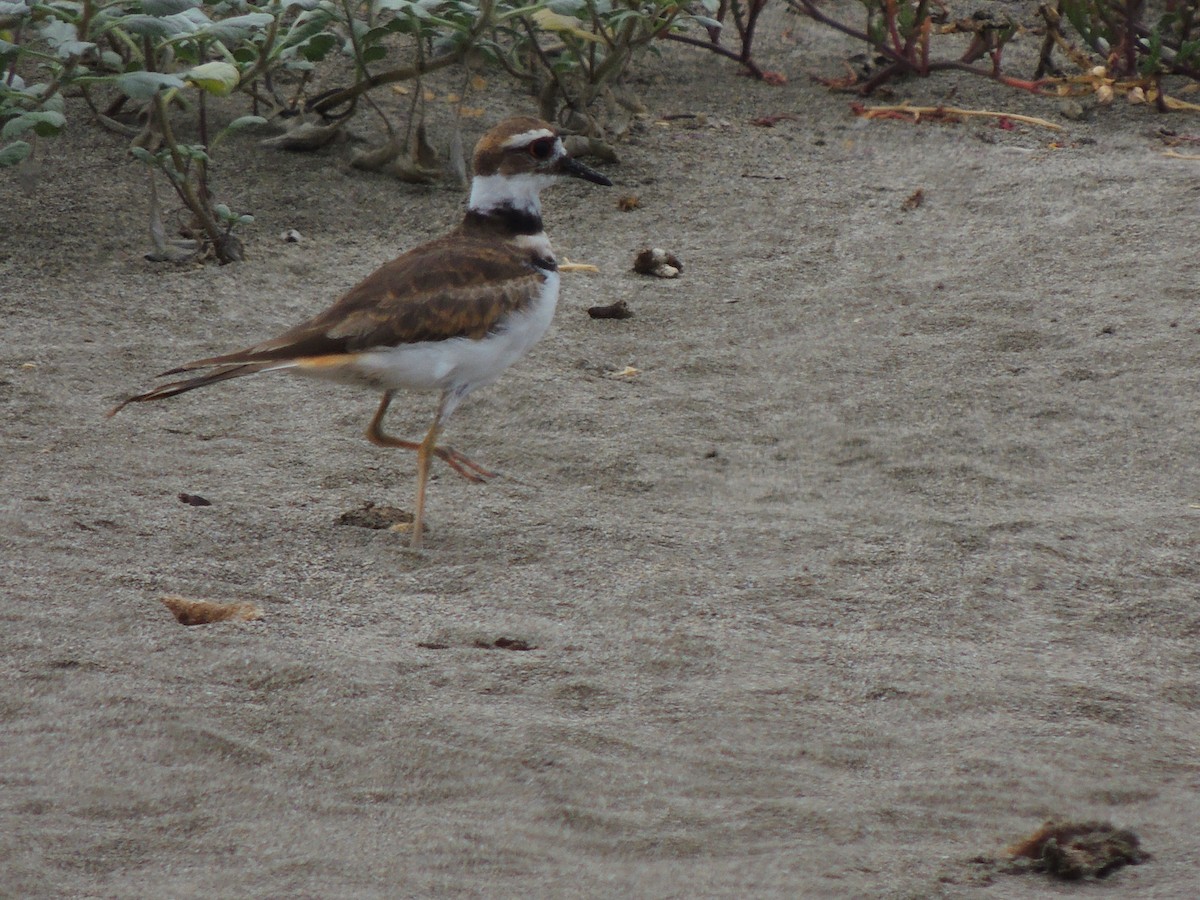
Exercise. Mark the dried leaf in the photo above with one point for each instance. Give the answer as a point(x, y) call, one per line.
point(206, 612)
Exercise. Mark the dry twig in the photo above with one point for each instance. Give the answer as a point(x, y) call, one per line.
point(916, 113)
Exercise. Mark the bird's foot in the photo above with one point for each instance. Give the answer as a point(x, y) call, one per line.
point(464, 465)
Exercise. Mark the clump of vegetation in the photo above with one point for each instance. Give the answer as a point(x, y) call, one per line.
point(901, 33)
point(158, 62)
point(150, 68)
point(904, 35)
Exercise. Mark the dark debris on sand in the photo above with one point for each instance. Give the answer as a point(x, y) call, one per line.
point(1075, 850)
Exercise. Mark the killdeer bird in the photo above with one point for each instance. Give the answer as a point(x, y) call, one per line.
point(449, 316)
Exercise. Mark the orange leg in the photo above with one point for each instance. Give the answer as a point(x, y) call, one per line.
point(425, 450)
point(467, 468)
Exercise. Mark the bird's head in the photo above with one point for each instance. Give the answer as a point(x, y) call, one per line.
point(517, 159)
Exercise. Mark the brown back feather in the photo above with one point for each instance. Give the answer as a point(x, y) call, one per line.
point(455, 286)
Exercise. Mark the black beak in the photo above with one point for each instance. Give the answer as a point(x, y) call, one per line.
point(576, 169)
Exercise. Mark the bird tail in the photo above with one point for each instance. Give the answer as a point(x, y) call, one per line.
point(224, 373)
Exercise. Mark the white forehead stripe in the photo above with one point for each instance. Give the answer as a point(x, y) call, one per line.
point(527, 137)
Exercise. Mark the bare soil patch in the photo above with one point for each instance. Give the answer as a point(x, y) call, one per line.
point(861, 549)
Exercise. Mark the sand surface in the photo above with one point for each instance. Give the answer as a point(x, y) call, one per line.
point(887, 552)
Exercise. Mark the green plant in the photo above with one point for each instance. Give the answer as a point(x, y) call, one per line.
point(163, 54)
point(574, 53)
point(1129, 46)
point(901, 33)
point(441, 33)
point(1132, 56)
point(32, 110)
point(745, 20)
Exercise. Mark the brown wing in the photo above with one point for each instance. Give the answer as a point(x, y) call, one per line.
point(455, 286)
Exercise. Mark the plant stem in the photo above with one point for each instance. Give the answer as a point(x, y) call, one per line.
point(750, 65)
point(179, 180)
point(336, 98)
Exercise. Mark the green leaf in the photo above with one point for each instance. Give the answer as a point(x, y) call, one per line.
point(167, 7)
point(245, 122)
point(574, 8)
point(405, 8)
point(42, 122)
point(374, 35)
point(175, 26)
point(67, 49)
point(374, 53)
point(403, 25)
point(219, 78)
point(144, 85)
point(306, 26)
point(316, 47)
point(237, 28)
point(54, 32)
point(17, 10)
point(141, 153)
point(14, 153)
point(548, 20)
point(49, 123)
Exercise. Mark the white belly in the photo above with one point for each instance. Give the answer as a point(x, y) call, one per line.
point(458, 364)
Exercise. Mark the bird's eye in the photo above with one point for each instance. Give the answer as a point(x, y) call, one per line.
point(543, 148)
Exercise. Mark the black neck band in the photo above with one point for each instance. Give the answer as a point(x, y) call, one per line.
point(504, 218)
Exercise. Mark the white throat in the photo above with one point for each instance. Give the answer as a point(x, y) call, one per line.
point(519, 192)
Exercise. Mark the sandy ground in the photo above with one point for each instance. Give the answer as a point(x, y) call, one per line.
point(886, 554)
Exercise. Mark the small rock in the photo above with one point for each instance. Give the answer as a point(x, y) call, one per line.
point(657, 262)
point(618, 310)
point(1072, 110)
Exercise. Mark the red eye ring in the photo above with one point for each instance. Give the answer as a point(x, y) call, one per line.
point(543, 148)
